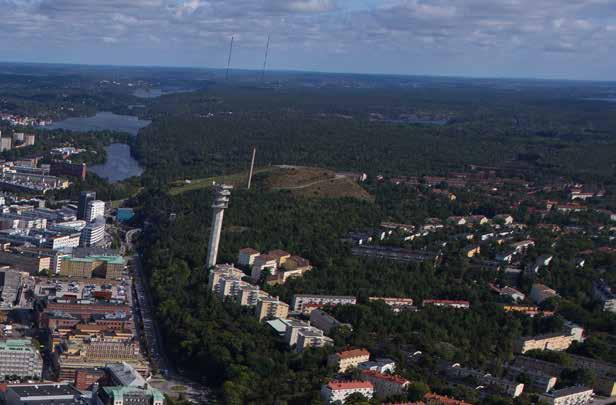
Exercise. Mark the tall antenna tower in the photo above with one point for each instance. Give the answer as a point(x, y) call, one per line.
point(222, 193)
point(229, 59)
point(252, 166)
point(265, 58)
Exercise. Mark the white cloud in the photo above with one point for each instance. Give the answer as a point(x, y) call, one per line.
point(307, 30)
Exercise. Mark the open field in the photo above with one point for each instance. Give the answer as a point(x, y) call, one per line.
point(301, 181)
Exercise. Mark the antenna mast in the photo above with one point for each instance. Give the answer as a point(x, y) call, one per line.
point(265, 58)
point(229, 59)
point(252, 165)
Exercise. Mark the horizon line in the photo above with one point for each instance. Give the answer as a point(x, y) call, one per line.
point(324, 72)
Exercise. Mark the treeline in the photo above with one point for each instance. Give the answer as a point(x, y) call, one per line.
point(210, 133)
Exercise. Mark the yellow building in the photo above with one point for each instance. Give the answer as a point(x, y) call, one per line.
point(271, 308)
point(110, 267)
point(348, 359)
point(553, 341)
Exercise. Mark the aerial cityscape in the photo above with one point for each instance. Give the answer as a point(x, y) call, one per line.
point(193, 212)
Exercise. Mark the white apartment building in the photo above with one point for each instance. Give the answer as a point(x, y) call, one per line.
point(576, 395)
point(301, 300)
point(340, 390)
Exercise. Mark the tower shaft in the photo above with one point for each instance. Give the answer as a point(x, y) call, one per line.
point(222, 193)
point(212, 250)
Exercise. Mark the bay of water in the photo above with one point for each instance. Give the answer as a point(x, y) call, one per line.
point(120, 165)
point(102, 121)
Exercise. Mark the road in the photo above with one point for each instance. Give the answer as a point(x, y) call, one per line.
point(166, 378)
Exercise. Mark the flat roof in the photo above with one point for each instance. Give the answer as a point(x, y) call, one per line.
point(577, 389)
point(108, 259)
point(24, 345)
point(40, 390)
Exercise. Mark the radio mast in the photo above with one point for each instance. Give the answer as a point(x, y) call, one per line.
point(252, 166)
point(229, 59)
point(265, 58)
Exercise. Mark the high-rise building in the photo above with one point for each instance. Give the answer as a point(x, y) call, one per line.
point(93, 233)
point(94, 209)
point(222, 192)
point(84, 198)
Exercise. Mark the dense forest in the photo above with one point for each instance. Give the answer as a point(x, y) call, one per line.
point(377, 131)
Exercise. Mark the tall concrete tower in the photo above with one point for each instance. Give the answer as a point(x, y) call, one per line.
point(222, 192)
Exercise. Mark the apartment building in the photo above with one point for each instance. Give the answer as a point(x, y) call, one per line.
point(605, 383)
point(348, 359)
point(263, 263)
point(459, 304)
point(396, 304)
point(577, 395)
point(18, 357)
point(509, 387)
point(325, 322)
point(291, 329)
point(247, 256)
point(271, 308)
point(300, 301)
point(538, 381)
point(551, 341)
point(382, 365)
point(385, 385)
point(339, 391)
point(222, 271)
point(311, 337)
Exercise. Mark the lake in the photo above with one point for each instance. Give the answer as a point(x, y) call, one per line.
point(120, 165)
point(102, 121)
point(154, 93)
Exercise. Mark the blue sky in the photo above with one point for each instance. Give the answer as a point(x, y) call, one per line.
point(496, 38)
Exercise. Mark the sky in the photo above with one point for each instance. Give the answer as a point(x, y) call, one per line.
point(573, 39)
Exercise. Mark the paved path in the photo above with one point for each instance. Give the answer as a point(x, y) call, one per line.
point(313, 183)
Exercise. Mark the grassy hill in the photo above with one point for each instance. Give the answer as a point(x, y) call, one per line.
point(307, 182)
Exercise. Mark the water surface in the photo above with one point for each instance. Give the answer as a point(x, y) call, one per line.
point(120, 165)
point(102, 121)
